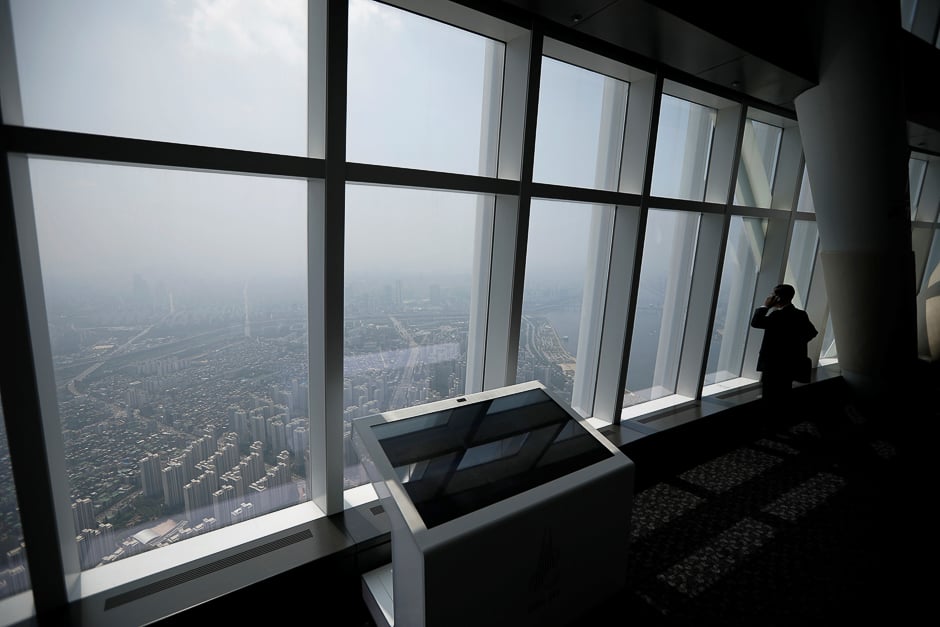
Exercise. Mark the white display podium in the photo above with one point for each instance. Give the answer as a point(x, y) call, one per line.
point(505, 507)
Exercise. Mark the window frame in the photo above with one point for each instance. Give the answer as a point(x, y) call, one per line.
point(501, 240)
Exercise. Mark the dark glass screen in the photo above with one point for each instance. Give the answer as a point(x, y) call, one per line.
point(458, 460)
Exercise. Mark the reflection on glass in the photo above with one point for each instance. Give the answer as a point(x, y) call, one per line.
point(930, 290)
point(735, 298)
point(683, 148)
point(933, 262)
point(484, 452)
point(557, 267)
point(828, 354)
point(758, 164)
point(801, 260)
point(916, 168)
point(908, 8)
point(230, 74)
point(422, 94)
point(406, 301)
point(14, 574)
point(805, 201)
point(662, 305)
point(177, 317)
point(580, 127)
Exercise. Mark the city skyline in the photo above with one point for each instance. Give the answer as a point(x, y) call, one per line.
point(133, 379)
point(177, 299)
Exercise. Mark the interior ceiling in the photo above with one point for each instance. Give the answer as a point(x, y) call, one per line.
point(708, 40)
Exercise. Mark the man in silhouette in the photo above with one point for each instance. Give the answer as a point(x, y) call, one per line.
point(782, 359)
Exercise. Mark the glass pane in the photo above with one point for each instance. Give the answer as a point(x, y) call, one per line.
point(461, 459)
point(558, 270)
point(406, 303)
point(758, 164)
point(916, 168)
point(14, 574)
point(177, 318)
point(580, 127)
point(801, 261)
point(908, 8)
point(422, 94)
point(683, 147)
point(930, 292)
point(662, 305)
point(735, 298)
point(805, 201)
point(228, 74)
point(933, 263)
point(828, 354)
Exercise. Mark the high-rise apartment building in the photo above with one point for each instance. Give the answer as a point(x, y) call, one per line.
point(174, 478)
point(83, 515)
point(151, 479)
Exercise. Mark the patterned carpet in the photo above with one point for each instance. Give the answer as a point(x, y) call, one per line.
point(822, 517)
point(803, 526)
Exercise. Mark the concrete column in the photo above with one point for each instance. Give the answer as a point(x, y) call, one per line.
point(853, 129)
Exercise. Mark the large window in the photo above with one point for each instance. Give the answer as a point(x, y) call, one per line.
point(406, 303)
point(213, 299)
point(930, 292)
point(916, 169)
point(933, 264)
point(580, 126)
point(757, 164)
point(230, 74)
point(828, 354)
point(683, 148)
point(924, 189)
point(743, 254)
point(422, 94)
point(802, 260)
point(805, 199)
point(176, 303)
point(662, 305)
point(558, 266)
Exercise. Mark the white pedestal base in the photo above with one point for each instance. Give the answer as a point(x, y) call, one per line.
point(377, 594)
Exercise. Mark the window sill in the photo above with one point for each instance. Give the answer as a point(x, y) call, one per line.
point(147, 586)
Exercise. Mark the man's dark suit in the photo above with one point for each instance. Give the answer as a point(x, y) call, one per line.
point(783, 349)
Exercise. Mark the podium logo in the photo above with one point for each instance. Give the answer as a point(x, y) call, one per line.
point(545, 582)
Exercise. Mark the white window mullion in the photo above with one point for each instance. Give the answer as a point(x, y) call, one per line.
point(503, 314)
point(724, 154)
point(817, 304)
point(610, 150)
point(11, 104)
point(325, 252)
point(51, 550)
point(592, 309)
point(490, 151)
point(504, 276)
point(625, 237)
point(789, 163)
point(62, 547)
point(706, 269)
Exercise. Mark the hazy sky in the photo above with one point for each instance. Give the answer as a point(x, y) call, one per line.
point(111, 221)
point(232, 73)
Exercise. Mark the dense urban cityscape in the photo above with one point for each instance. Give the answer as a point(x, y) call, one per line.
point(183, 412)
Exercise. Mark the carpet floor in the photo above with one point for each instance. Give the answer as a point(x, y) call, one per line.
point(814, 522)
